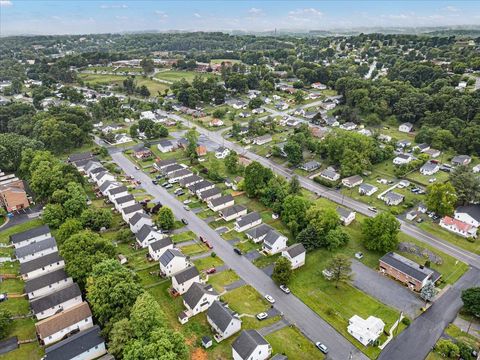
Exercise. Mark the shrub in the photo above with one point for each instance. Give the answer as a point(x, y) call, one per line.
point(406, 321)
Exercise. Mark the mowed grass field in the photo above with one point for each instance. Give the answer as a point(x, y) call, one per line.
point(177, 75)
point(99, 79)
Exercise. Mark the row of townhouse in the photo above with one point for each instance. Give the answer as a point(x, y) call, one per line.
point(65, 323)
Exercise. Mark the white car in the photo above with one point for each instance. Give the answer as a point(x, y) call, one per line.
point(321, 347)
point(285, 289)
point(270, 299)
point(186, 202)
point(262, 316)
point(359, 255)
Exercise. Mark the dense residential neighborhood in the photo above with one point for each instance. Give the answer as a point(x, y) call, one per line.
point(213, 195)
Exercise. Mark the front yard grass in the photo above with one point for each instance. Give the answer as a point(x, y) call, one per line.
point(290, 342)
point(194, 249)
point(459, 241)
point(218, 281)
point(5, 234)
point(208, 262)
point(246, 300)
point(183, 236)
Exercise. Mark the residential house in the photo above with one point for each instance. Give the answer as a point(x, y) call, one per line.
point(248, 221)
point(392, 198)
point(146, 235)
point(157, 248)
point(404, 143)
point(405, 127)
point(36, 250)
point(47, 284)
point(61, 300)
point(349, 126)
point(469, 214)
point(250, 345)
point(458, 227)
point(30, 236)
point(103, 177)
point(414, 275)
point(318, 86)
point(116, 192)
point(161, 164)
point(258, 233)
point(221, 203)
point(310, 166)
point(172, 261)
point(331, 121)
point(384, 138)
point(165, 146)
point(190, 180)
point(178, 175)
point(216, 123)
point(402, 159)
point(129, 211)
point(476, 169)
point(352, 181)
point(433, 153)
point(79, 160)
point(274, 242)
point(346, 216)
point(295, 254)
point(41, 266)
point(330, 174)
point(429, 168)
point(95, 171)
point(367, 189)
point(210, 194)
point(422, 147)
point(198, 298)
point(264, 139)
point(201, 150)
point(233, 212)
point(461, 160)
point(222, 152)
point(107, 186)
point(367, 331)
point(124, 201)
point(138, 220)
point(142, 153)
point(182, 280)
point(239, 104)
point(65, 323)
point(90, 166)
point(411, 215)
point(224, 321)
point(13, 198)
point(201, 186)
point(170, 169)
point(84, 345)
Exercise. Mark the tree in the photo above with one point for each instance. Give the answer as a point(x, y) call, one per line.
point(143, 91)
point(161, 344)
point(111, 291)
point(231, 162)
point(82, 251)
point(53, 215)
point(256, 178)
point(96, 219)
point(447, 349)
point(11, 147)
point(340, 267)
point(214, 169)
point(336, 238)
point(146, 315)
point(471, 301)
point(68, 228)
point(76, 200)
point(294, 153)
point(441, 198)
point(191, 150)
point(282, 271)
point(165, 218)
point(294, 185)
point(466, 184)
point(323, 220)
point(299, 97)
point(308, 237)
point(428, 292)
point(5, 323)
point(120, 335)
point(147, 65)
point(294, 213)
point(380, 232)
point(255, 103)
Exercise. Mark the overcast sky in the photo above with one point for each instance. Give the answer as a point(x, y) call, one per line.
point(89, 16)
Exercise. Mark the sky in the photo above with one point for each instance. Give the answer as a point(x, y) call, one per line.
point(91, 16)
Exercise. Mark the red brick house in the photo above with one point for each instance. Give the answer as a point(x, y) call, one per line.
point(13, 198)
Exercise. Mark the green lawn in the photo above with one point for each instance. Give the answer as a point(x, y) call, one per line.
point(174, 75)
point(194, 249)
point(183, 236)
point(459, 241)
point(246, 300)
point(5, 234)
point(218, 281)
point(29, 351)
point(100, 79)
point(290, 342)
point(208, 262)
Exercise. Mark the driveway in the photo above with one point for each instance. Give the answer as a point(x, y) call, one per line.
point(386, 290)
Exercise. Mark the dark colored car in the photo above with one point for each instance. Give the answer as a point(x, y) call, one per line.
point(237, 251)
point(185, 221)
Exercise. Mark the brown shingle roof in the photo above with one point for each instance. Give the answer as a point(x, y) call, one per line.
point(62, 320)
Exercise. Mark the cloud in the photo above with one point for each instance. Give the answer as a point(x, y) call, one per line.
point(309, 12)
point(114, 6)
point(161, 14)
point(118, 17)
point(197, 15)
point(5, 3)
point(255, 11)
point(451, 9)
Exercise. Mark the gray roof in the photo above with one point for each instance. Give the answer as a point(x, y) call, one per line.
point(165, 143)
point(195, 293)
point(35, 247)
point(40, 262)
point(460, 158)
point(98, 170)
point(295, 250)
point(404, 156)
point(80, 156)
point(232, 210)
point(137, 217)
point(367, 187)
point(29, 234)
point(45, 280)
point(344, 213)
point(407, 266)
point(221, 315)
point(124, 199)
point(429, 166)
point(200, 185)
point(259, 231)
point(209, 193)
point(48, 301)
point(247, 342)
point(144, 232)
point(472, 210)
point(353, 179)
point(106, 184)
point(187, 274)
point(132, 208)
point(311, 165)
point(190, 179)
point(329, 173)
point(279, 357)
point(163, 163)
point(172, 168)
point(180, 172)
point(169, 255)
point(249, 218)
point(75, 345)
point(272, 237)
point(118, 190)
point(221, 200)
point(393, 196)
point(91, 164)
point(160, 244)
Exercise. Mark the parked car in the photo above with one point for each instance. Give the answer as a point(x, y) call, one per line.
point(180, 193)
point(185, 221)
point(237, 251)
point(186, 207)
point(154, 182)
point(137, 168)
point(202, 239)
point(321, 347)
point(165, 184)
point(285, 289)
point(372, 209)
point(419, 220)
point(359, 255)
point(186, 202)
point(168, 186)
point(211, 271)
point(210, 246)
point(262, 316)
point(270, 299)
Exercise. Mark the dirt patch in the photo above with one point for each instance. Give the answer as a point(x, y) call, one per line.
point(199, 354)
point(421, 252)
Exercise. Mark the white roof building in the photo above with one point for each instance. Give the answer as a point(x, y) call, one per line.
point(365, 331)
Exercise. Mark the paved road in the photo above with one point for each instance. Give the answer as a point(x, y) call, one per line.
point(386, 290)
point(294, 310)
point(417, 340)
point(337, 196)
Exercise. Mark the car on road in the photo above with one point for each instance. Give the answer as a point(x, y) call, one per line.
point(185, 221)
point(262, 316)
point(202, 239)
point(270, 299)
point(321, 347)
point(212, 270)
point(186, 207)
point(359, 255)
point(285, 289)
point(210, 246)
point(186, 202)
point(372, 209)
point(237, 251)
point(154, 182)
point(137, 168)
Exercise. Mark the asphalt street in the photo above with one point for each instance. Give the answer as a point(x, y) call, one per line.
point(294, 310)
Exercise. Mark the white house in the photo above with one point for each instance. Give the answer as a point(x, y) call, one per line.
point(129, 211)
point(165, 146)
point(162, 164)
point(401, 159)
point(222, 152)
point(124, 201)
point(429, 168)
point(476, 169)
point(346, 216)
point(367, 189)
point(250, 345)
point(47, 284)
point(146, 235)
point(117, 192)
point(108, 186)
point(138, 220)
point(461, 160)
point(56, 327)
point(41, 266)
point(392, 198)
point(367, 331)
point(330, 174)
point(224, 321)
point(84, 345)
point(458, 227)
point(30, 236)
point(182, 281)
point(264, 139)
point(36, 250)
point(221, 203)
point(201, 186)
point(233, 212)
point(469, 214)
point(405, 127)
point(102, 177)
point(295, 254)
point(210, 194)
point(157, 248)
point(274, 242)
point(178, 175)
point(258, 233)
point(352, 181)
point(198, 298)
point(172, 261)
point(318, 86)
point(349, 126)
point(63, 299)
point(248, 221)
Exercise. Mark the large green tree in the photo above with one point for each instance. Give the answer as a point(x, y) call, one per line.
point(471, 301)
point(380, 233)
point(256, 178)
point(5, 323)
point(466, 184)
point(282, 271)
point(165, 218)
point(441, 198)
point(96, 219)
point(294, 213)
point(340, 268)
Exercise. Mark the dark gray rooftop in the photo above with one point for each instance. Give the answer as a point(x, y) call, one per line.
point(295, 250)
point(35, 247)
point(249, 218)
point(232, 210)
point(45, 280)
point(118, 190)
point(29, 234)
point(195, 293)
point(75, 345)
point(259, 231)
point(200, 185)
point(209, 193)
point(221, 200)
point(132, 208)
point(40, 262)
point(144, 232)
point(272, 237)
point(407, 266)
point(472, 210)
point(124, 199)
point(187, 274)
point(160, 244)
point(136, 218)
point(56, 298)
point(169, 255)
point(247, 342)
point(221, 315)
